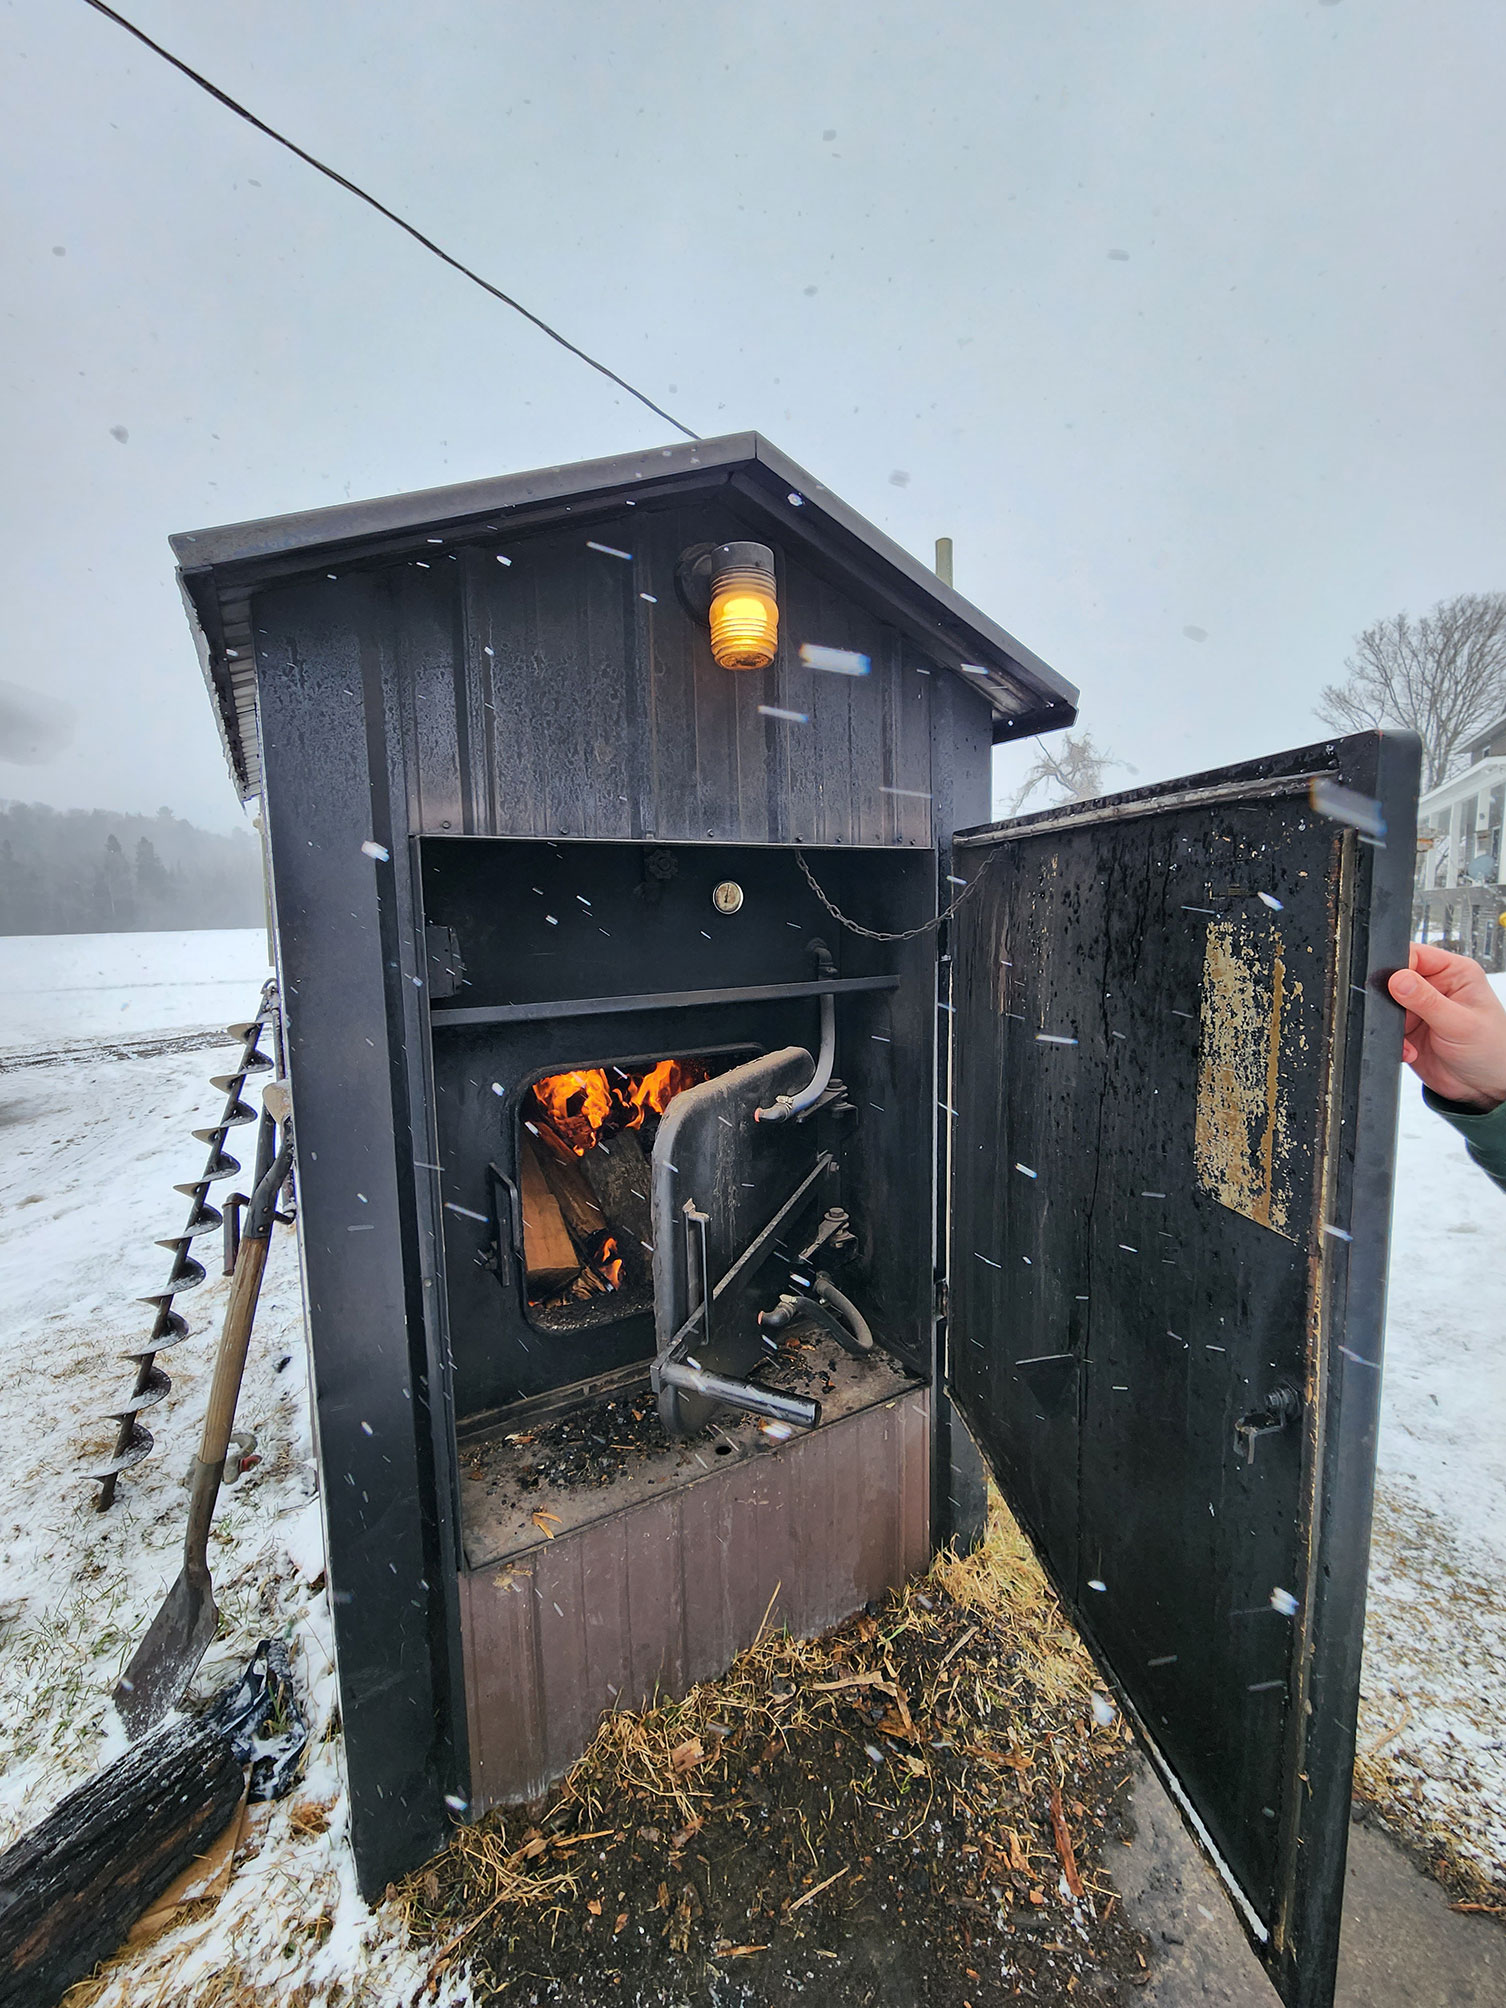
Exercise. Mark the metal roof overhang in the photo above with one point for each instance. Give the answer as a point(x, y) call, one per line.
point(219, 569)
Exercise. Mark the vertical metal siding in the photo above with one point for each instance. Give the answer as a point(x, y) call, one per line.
point(600, 713)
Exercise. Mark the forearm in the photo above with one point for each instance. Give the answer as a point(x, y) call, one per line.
point(1484, 1133)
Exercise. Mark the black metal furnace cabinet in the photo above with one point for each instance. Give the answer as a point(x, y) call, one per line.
point(1068, 1139)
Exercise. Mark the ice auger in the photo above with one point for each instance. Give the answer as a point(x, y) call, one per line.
point(133, 1440)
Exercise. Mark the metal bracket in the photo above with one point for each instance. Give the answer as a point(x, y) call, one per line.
point(1281, 1406)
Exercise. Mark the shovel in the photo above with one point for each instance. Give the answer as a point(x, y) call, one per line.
point(164, 1662)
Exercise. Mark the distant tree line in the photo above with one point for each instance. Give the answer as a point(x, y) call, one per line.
point(90, 871)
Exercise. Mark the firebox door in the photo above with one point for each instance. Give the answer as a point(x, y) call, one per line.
point(1174, 1068)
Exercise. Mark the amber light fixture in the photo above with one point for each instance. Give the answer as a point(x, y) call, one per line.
point(732, 587)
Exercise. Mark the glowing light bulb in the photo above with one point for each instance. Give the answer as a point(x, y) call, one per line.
point(744, 628)
point(744, 608)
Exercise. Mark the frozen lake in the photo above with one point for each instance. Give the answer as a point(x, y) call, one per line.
point(56, 987)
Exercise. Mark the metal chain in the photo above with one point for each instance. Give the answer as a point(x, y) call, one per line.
point(878, 933)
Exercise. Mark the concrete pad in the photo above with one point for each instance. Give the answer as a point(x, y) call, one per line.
point(1402, 1946)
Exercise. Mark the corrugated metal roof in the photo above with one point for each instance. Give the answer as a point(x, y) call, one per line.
point(219, 569)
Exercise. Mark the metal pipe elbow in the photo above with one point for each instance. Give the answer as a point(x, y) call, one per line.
point(785, 1107)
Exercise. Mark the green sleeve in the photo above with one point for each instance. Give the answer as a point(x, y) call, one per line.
point(1484, 1133)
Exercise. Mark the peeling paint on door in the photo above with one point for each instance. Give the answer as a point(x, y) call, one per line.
point(1242, 1144)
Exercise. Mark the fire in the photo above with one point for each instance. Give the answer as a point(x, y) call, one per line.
point(609, 1262)
point(576, 1105)
point(580, 1105)
point(658, 1087)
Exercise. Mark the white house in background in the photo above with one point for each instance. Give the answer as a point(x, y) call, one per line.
point(1461, 896)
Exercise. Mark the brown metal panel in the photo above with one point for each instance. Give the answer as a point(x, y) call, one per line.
point(606, 1614)
point(654, 1656)
point(669, 1591)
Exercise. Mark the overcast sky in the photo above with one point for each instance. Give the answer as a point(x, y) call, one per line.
point(1182, 317)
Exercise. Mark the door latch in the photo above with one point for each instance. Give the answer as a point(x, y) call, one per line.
point(1281, 1406)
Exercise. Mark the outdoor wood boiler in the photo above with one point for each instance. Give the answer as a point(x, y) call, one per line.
point(711, 1133)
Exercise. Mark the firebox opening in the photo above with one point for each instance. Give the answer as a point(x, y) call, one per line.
point(554, 958)
point(585, 1143)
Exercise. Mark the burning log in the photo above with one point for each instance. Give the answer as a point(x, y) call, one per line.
point(585, 1176)
point(618, 1174)
point(71, 1889)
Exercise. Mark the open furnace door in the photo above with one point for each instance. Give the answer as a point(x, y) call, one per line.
point(1174, 1080)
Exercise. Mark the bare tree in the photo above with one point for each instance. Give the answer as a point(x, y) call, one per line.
point(1442, 677)
point(1070, 762)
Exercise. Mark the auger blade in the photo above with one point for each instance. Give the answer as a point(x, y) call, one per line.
point(187, 1274)
point(203, 1220)
point(137, 1445)
point(228, 1084)
point(169, 1325)
point(155, 1385)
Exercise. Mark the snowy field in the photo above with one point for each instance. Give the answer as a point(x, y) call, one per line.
point(90, 1147)
point(57, 987)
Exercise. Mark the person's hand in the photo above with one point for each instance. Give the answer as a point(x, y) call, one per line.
point(1455, 1038)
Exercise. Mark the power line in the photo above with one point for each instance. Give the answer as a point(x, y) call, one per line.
point(352, 188)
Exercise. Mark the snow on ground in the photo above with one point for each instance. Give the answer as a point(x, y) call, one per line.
point(1435, 1637)
point(90, 1148)
point(89, 1152)
point(92, 986)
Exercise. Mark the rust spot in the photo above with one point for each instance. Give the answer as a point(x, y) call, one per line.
point(1242, 1143)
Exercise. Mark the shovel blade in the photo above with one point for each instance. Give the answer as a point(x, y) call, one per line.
point(164, 1663)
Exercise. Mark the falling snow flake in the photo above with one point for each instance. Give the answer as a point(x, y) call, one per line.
point(836, 661)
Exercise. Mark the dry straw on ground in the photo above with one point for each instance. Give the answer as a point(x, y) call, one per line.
point(925, 1783)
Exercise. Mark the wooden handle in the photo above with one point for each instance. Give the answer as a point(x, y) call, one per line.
point(230, 1361)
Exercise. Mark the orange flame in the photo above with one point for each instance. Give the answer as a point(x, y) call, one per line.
point(579, 1106)
point(658, 1087)
point(609, 1263)
point(576, 1105)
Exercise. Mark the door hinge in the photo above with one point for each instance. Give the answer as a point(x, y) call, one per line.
point(943, 1297)
point(446, 965)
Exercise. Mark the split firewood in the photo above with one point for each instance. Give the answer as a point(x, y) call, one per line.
point(572, 1193)
point(549, 1254)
